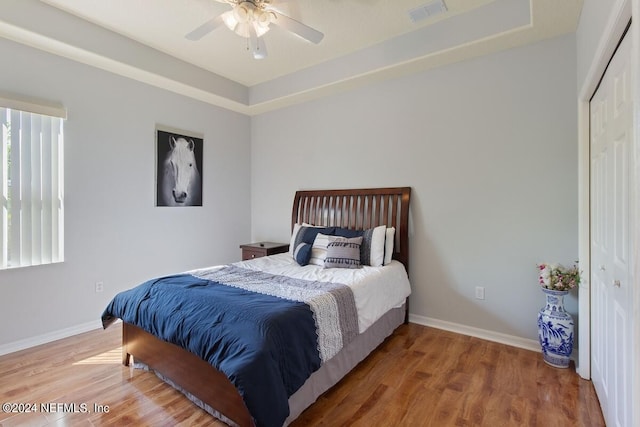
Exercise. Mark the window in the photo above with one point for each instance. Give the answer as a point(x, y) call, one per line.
point(31, 185)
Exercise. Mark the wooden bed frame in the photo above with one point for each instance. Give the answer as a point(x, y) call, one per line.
point(355, 209)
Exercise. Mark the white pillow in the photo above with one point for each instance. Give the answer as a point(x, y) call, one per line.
point(319, 250)
point(376, 254)
point(294, 234)
point(389, 242)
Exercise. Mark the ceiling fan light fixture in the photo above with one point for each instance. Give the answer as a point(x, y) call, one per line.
point(260, 30)
point(265, 18)
point(245, 15)
point(244, 11)
point(229, 20)
point(242, 29)
point(252, 19)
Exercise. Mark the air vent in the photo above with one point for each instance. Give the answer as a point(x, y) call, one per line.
point(427, 10)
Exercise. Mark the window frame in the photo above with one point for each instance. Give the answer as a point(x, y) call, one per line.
point(31, 182)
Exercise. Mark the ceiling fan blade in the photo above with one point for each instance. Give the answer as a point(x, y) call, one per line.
point(258, 48)
point(297, 27)
point(261, 49)
point(205, 28)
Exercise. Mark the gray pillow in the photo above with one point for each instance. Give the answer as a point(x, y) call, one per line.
point(343, 252)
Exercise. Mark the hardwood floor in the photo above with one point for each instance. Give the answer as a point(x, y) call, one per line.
point(418, 377)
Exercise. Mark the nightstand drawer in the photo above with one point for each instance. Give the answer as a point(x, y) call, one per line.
point(260, 249)
point(248, 253)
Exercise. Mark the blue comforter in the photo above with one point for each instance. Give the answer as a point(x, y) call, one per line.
point(267, 346)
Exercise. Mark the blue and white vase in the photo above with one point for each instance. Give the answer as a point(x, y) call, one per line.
point(555, 330)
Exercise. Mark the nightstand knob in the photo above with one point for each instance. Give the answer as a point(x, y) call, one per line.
point(253, 255)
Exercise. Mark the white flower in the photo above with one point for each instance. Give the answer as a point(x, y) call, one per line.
point(545, 276)
point(555, 276)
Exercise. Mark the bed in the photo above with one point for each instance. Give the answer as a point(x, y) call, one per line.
point(344, 217)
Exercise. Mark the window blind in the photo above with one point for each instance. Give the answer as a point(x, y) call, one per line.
point(32, 191)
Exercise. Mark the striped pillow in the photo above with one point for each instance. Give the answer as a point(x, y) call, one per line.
point(302, 254)
point(343, 252)
point(319, 249)
point(373, 243)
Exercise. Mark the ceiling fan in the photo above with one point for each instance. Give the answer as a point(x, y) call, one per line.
point(252, 19)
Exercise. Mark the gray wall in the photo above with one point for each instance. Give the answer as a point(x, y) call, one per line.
point(488, 146)
point(113, 232)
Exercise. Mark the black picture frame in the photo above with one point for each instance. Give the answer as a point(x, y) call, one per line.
point(179, 168)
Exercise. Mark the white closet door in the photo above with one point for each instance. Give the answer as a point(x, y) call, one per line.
point(611, 293)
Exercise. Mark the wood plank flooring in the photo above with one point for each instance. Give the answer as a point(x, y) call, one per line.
point(418, 377)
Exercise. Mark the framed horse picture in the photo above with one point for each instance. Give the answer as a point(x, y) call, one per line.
point(178, 168)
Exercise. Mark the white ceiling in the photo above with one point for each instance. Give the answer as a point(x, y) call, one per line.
point(365, 40)
point(348, 25)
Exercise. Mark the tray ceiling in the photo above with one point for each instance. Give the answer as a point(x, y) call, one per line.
point(365, 40)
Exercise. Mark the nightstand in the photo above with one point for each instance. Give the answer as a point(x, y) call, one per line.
point(260, 249)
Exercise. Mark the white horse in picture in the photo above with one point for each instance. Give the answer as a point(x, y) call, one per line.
point(180, 183)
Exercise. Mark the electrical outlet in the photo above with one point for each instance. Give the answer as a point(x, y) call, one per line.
point(479, 292)
point(99, 286)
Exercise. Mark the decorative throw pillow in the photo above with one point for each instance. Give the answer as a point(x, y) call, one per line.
point(347, 232)
point(372, 251)
point(302, 253)
point(343, 252)
point(304, 233)
point(319, 249)
point(373, 243)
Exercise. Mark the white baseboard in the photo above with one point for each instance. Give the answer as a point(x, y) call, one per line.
point(484, 334)
point(49, 337)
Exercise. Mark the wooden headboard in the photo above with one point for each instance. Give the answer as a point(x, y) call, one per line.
point(358, 209)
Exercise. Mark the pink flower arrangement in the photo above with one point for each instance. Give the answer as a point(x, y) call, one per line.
point(558, 278)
